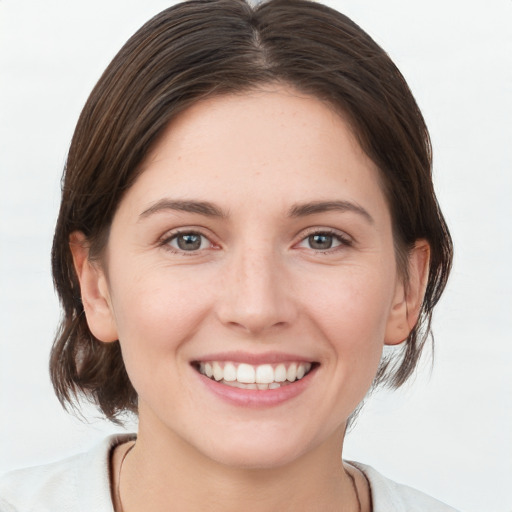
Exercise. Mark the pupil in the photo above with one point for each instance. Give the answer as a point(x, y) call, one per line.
point(189, 242)
point(320, 241)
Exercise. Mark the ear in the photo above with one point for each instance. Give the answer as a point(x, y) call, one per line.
point(93, 289)
point(409, 295)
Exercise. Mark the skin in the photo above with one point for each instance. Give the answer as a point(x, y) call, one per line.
point(256, 285)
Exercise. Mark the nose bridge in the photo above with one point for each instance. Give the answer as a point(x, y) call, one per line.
point(255, 297)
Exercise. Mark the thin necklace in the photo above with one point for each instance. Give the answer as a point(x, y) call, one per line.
point(118, 487)
point(356, 492)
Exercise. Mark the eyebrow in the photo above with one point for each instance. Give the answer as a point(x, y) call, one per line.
point(302, 210)
point(191, 206)
point(210, 210)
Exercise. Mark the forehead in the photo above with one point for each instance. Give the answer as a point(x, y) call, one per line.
point(274, 145)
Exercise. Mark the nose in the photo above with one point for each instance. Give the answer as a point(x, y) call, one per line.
point(256, 294)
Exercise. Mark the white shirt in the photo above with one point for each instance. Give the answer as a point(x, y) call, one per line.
point(81, 483)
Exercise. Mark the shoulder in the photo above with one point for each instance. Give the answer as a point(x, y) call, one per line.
point(78, 483)
point(389, 495)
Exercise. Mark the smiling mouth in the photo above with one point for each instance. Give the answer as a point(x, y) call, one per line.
point(248, 376)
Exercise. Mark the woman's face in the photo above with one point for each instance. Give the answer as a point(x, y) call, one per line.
point(257, 245)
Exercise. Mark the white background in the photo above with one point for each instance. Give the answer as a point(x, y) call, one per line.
point(450, 432)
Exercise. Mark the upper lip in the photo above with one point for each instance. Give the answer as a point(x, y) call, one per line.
point(253, 358)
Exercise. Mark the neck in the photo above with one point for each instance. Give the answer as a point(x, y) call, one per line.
point(162, 470)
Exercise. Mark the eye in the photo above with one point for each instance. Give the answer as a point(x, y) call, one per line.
point(324, 241)
point(321, 241)
point(188, 242)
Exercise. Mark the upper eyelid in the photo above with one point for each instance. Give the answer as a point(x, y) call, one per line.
point(344, 242)
point(299, 237)
point(195, 230)
point(165, 240)
point(324, 230)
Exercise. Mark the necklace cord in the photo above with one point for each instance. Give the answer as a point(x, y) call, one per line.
point(118, 486)
point(356, 492)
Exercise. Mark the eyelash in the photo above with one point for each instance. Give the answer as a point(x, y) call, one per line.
point(344, 241)
point(166, 242)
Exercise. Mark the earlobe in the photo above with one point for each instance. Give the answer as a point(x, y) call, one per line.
point(409, 295)
point(93, 289)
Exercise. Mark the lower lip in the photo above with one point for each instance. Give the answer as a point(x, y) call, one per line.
point(254, 397)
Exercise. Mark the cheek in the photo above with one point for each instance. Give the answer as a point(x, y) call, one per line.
point(155, 313)
point(356, 302)
point(352, 312)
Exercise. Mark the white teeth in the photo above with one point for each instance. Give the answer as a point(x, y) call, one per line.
point(229, 372)
point(291, 373)
point(218, 374)
point(235, 384)
point(263, 376)
point(280, 373)
point(245, 373)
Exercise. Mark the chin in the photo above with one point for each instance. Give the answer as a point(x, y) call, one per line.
point(255, 458)
point(252, 451)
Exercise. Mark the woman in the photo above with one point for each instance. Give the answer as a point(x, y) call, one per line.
point(247, 219)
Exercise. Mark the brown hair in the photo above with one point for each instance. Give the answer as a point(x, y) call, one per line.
point(200, 48)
